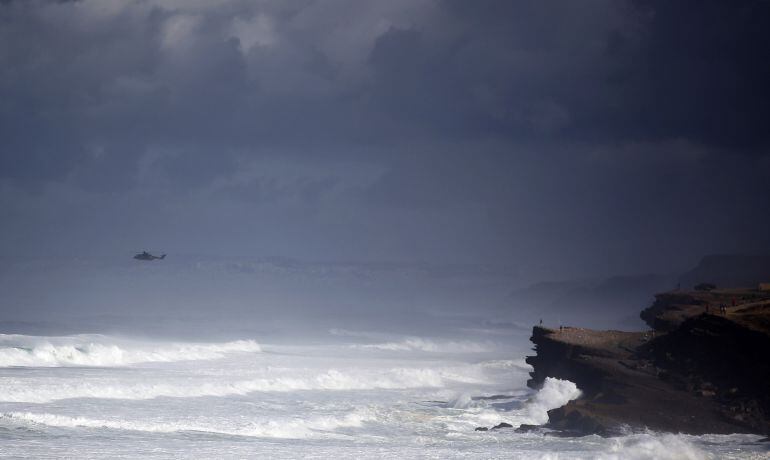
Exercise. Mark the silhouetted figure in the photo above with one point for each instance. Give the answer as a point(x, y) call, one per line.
point(541, 321)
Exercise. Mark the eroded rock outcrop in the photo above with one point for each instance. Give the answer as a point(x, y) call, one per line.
point(700, 371)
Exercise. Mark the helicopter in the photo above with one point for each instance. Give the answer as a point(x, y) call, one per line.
point(144, 255)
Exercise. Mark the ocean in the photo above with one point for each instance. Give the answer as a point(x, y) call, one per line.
point(354, 394)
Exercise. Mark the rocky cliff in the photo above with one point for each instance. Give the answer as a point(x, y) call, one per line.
point(702, 369)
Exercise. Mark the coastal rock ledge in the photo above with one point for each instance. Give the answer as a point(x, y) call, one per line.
point(705, 369)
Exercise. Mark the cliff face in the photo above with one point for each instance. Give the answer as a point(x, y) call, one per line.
point(698, 373)
point(666, 312)
point(558, 356)
point(720, 359)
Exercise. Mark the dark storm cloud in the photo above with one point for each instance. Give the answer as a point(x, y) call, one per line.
point(81, 77)
point(644, 70)
point(700, 73)
point(490, 129)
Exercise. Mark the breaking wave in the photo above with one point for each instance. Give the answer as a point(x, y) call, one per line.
point(332, 380)
point(294, 428)
point(653, 447)
point(103, 351)
point(554, 394)
point(510, 409)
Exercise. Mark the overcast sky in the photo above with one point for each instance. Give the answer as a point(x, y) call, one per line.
point(575, 137)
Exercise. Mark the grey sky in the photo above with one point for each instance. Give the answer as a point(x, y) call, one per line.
point(566, 137)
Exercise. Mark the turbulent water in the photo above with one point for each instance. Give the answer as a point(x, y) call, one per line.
point(353, 396)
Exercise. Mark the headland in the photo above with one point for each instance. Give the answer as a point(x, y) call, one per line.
point(703, 367)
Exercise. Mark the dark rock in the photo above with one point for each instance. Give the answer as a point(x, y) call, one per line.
point(575, 422)
point(502, 425)
point(703, 374)
point(481, 428)
point(526, 428)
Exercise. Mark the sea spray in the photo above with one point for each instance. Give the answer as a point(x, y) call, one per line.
point(555, 393)
point(293, 428)
point(331, 380)
point(651, 446)
point(314, 400)
point(104, 351)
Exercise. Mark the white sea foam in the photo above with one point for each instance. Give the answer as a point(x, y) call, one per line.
point(331, 380)
point(653, 447)
point(461, 401)
point(397, 416)
point(319, 426)
point(555, 393)
point(520, 364)
point(103, 351)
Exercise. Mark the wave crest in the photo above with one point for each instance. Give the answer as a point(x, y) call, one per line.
point(554, 394)
point(651, 446)
point(319, 426)
point(102, 351)
point(332, 380)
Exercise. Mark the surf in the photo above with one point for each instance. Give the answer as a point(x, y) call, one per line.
point(105, 351)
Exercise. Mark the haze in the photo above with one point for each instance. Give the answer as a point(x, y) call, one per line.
point(306, 158)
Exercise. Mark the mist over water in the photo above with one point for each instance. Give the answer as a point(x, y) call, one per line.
point(232, 358)
point(221, 298)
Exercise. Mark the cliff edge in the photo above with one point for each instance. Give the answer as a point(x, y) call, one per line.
point(703, 368)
